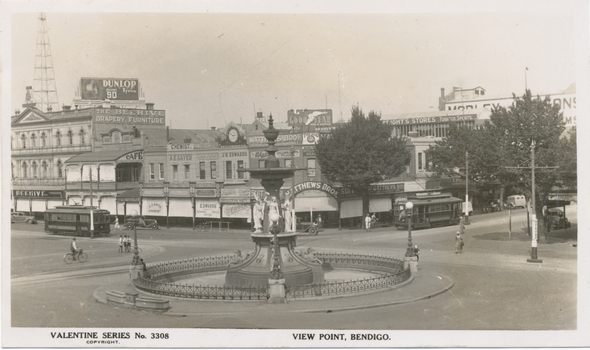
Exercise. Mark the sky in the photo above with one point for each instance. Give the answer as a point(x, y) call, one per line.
point(209, 68)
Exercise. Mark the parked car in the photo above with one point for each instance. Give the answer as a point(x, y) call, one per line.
point(516, 201)
point(17, 216)
point(555, 219)
point(141, 222)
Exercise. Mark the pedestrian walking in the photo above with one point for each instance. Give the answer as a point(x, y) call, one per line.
point(319, 222)
point(368, 222)
point(117, 226)
point(127, 243)
point(121, 244)
point(459, 243)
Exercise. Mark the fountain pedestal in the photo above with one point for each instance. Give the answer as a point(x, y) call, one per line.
point(253, 269)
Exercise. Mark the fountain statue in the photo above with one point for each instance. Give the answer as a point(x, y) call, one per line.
point(274, 262)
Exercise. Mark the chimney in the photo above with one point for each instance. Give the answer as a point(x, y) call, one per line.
point(149, 106)
point(66, 108)
point(167, 134)
point(212, 128)
point(442, 92)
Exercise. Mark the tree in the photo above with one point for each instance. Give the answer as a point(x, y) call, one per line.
point(501, 149)
point(362, 152)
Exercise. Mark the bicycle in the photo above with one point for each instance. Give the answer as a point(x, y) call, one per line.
point(206, 226)
point(69, 257)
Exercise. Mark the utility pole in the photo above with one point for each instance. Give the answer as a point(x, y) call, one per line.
point(535, 229)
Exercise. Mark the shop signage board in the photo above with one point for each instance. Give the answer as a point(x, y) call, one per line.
point(132, 157)
point(283, 139)
point(37, 194)
point(285, 154)
point(207, 209)
point(130, 117)
point(236, 211)
point(432, 120)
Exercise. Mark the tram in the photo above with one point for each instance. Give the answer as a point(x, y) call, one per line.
point(429, 211)
point(76, 220)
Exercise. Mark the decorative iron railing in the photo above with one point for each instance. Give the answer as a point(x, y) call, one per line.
point(392, 269)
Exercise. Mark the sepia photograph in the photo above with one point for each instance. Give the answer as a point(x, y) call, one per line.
point(294, 174)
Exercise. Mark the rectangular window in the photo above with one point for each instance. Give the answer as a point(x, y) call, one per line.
point(311, 167)
point(127, 138)
point(240, 166)
point(187, 171)
point(202, 170)
point(228, 170)
point(161, 171)
point(175, 172)
point(288, 163)
point(420, 165)
point(105, 139)
point(152, 171)
point(262, 163)
point(213, 170)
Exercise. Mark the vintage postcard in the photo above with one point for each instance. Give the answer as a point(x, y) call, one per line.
point(294, 174)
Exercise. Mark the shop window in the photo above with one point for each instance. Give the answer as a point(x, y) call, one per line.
point(228, 170)
point(240, 166)
point(311, 167)
point(187, 171)
point(213, 170)
point(202, 171)
point(161, 171)
point(175, 172)
point(152, 171)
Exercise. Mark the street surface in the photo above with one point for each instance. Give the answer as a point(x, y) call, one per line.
point(495, 288)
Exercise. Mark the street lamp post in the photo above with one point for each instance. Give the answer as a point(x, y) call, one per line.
point(135, 260)
point(410, 249)
point(466, 188)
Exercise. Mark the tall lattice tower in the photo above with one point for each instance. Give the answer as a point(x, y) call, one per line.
point(44, 88)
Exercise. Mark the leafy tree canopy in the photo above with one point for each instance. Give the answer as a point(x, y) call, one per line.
point(506, 141)
point(361, 152)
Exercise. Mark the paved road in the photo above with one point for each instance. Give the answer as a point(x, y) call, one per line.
point(495, 288)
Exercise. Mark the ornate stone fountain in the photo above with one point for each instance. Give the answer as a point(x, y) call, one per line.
point(274, 262)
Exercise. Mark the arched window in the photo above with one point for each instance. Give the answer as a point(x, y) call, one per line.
point(34, 169)
point(44, 169)
point(24, 167)
point(23, 140)
point(43, 140)
point(82, 141)
point(70, 137)
point(59, 172)
point(33, 141)
point(58, 138)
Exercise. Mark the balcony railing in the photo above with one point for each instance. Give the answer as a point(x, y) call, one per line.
point(54, 149)
point(39, 182)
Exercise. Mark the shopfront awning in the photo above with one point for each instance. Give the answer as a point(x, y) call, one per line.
point(102, 156)
point(315, 204)
point(131, 195)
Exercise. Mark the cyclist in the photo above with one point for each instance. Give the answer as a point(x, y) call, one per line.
point(74, 248)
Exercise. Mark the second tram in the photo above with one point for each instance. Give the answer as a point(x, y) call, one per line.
point(428, 211)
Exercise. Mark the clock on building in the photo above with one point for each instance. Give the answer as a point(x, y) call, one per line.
point(232, 135)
